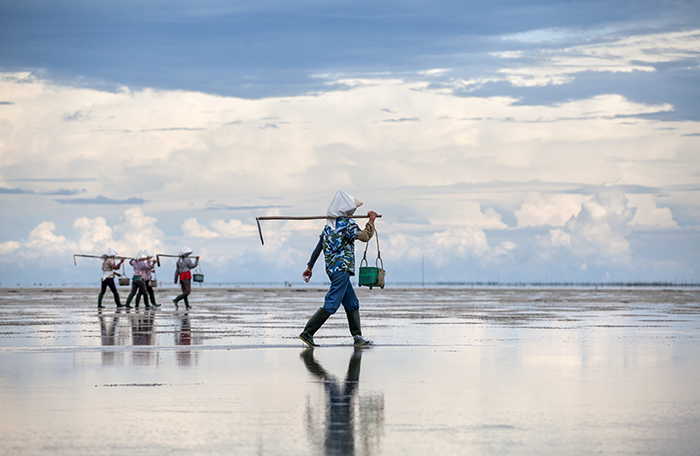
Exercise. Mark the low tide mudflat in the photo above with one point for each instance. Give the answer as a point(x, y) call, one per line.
point(452, 371)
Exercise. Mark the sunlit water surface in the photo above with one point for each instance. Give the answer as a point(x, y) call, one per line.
point(452, 371)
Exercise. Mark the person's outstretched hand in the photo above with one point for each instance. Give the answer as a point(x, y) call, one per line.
point(307, 274)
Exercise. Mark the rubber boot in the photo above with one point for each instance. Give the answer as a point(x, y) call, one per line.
point(129, 298)
point(187, 302)
point(355, 329)
point(179, 297)
point(153, 299)
point(315, 322)
point(116, 300)
point(99, 300)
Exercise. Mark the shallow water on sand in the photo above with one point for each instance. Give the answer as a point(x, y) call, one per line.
point(452, 371)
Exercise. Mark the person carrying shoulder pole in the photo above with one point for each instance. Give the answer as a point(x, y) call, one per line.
point(141, 267)
point(146, 275)
point(338, 244)
point(182, 272)
point(108, 268)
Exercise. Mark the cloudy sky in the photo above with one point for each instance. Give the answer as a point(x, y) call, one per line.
point(501, 140)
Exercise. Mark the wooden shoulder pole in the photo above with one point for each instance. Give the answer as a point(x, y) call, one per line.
point(293, 217)
point(257, 220)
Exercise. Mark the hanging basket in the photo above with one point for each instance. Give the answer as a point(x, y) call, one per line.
point(372, 276)
point(198, 275)
point(153, 282)
point(123, 280)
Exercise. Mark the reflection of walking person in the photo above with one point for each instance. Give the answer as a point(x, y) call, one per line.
point(183, 337)
point(339, 438)
point(108, 268)
point(142, 328)
point(338, 244)
point(182, 273)
point(108, 336)
point(108, 332)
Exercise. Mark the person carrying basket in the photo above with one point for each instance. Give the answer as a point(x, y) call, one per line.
point(338, 244)
point(182, 273)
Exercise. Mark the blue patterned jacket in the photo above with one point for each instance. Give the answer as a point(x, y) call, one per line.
point(339, 245)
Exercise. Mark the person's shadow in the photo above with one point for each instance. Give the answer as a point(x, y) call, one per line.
point(339, 429)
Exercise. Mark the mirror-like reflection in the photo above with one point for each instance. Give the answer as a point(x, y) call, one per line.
point(337, 432)
point(183, 337)
point(140, 327)
point(453, 372)
point(108, 335)
point(114, 331)
point(142, 333)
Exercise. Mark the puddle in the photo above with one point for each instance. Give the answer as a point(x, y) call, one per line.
point(452, 372)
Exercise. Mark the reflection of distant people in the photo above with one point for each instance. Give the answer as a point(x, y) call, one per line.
point(339, 438)
point(183, 336)
point(108, 268)
point(183, 274)
point(142, 328)
point(108, 333)
point(142, 333)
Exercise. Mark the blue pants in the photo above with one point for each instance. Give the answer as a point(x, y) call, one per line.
point(341, 292)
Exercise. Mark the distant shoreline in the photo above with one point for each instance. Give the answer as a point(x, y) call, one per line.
point(397, 285)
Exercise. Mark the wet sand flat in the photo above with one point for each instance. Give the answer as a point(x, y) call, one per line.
point(452, 371)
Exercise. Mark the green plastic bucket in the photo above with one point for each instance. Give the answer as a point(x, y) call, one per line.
point(370, 277)
point(198, 277)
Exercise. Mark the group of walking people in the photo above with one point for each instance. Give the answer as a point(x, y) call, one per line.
point(336, 241)
point(143, 279)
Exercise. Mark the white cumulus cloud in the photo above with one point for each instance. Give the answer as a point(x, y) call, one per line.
point(552, 210)
point(649, 214)
point(137, 231)
point(192, 228)
point(234, 228)
point(461, 242)
point(43, 242)
point(9, 247)
point(94, 234)
point(599, 230)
